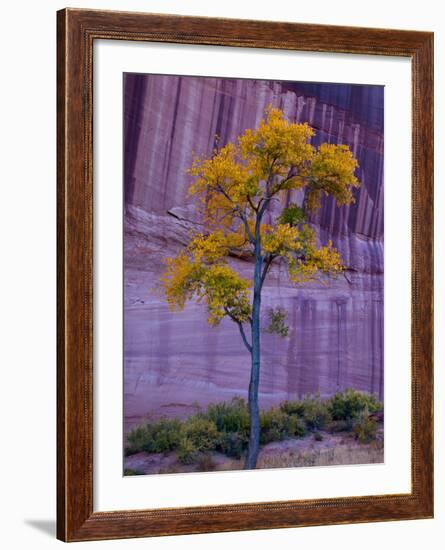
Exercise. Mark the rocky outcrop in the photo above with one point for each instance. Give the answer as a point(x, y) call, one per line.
point(336, 339)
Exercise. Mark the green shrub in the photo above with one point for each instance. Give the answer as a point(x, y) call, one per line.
point(232, 416)
point(316, 412)
point(296, 427)
point(202, 433)
point(137, 439)
point(233, 444)
point(277, 322)
point(365, 428)
point(275, 425)
point(166, 436)
point(293, 215)
point(293, 407)
point(272, 425)
point(186, 452)
point(348, 404)
point(155, 437)
point(199, 435)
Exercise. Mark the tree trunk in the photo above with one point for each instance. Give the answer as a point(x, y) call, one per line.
point(254, 411)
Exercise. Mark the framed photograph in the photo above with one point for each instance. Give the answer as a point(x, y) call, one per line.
point(245, 231)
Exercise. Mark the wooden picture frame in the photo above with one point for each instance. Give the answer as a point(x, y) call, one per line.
point(77, 31)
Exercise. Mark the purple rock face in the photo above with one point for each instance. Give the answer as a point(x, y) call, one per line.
point(174, 361)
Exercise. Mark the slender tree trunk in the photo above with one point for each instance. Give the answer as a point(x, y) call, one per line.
point(254, 411)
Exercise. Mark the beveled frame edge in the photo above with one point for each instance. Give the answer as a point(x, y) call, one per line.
point(76, 31)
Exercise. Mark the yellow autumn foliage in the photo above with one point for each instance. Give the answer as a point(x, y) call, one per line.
point(235, 187)
point(332, 173)
point(201, 271)
point(325, 260)
point(281, 239)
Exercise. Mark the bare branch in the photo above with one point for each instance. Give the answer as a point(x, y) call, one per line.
point(270, 258)
point(279, 187)
point(220, 188)
point(249, 200)
point(243, 336)
point(246, 225)
point(264, 206)
point(237, 211)
point(241, 329)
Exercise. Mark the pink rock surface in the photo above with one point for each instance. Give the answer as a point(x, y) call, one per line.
point(175, 360)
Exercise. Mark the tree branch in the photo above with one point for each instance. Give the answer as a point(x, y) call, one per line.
point(264, 206)
point(246, 225)
point(237, 210)
point(241, 329)
point(279, 187)
point(220, 188)
point(249, 200)
point(267, 265)
point(243, 335)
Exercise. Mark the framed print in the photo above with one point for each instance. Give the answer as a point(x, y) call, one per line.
point(245, 283)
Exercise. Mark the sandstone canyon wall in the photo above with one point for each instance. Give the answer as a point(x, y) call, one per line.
point(173, 361)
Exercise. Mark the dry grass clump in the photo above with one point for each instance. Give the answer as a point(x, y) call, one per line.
point(338, 455)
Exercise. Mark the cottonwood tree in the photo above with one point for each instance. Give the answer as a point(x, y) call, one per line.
point(236, 187)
